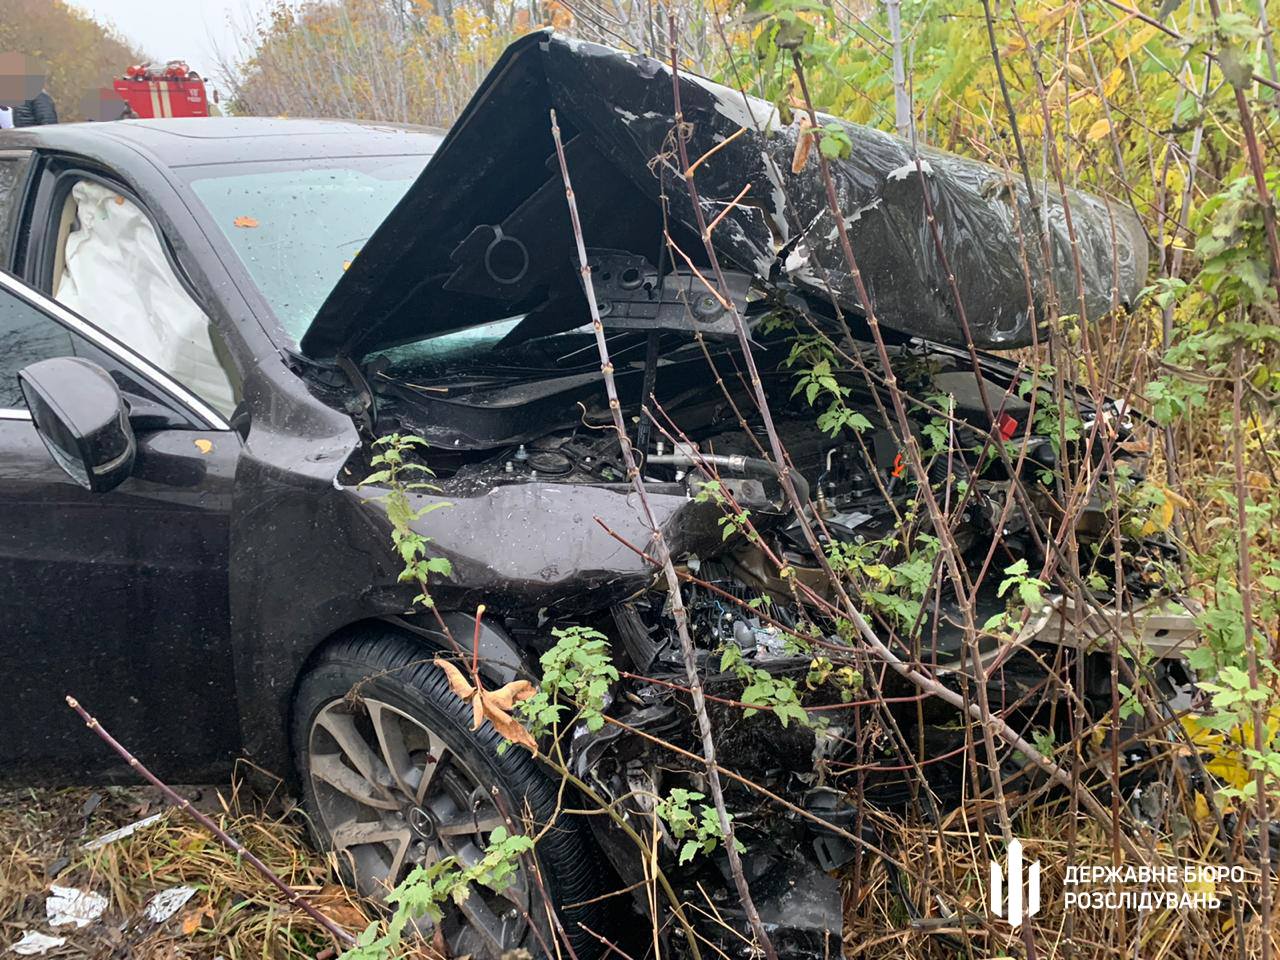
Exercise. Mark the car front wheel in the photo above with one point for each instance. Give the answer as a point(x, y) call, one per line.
point(393, 777)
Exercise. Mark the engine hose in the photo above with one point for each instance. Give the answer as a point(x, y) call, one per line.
point(736, 464)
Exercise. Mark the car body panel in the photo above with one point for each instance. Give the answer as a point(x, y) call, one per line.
point(283, 438)
point(427, 270)
point(118, 597)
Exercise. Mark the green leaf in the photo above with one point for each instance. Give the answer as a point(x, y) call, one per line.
point(792, 34)
point(834, 142)
point(440, 565)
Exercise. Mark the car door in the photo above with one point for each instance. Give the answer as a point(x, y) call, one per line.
point(116, 598)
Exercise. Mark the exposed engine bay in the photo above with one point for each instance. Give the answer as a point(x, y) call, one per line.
point(557, 472)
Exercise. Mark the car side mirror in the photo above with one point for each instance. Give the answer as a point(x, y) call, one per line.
point(83, 420)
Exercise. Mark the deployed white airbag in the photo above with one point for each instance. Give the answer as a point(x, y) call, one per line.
point(116, 275)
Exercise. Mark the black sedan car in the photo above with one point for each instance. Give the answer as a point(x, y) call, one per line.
point(206, 324)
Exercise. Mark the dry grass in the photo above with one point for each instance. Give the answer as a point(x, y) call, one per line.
point(234, 913)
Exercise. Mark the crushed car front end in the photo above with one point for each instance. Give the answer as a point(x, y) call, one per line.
point(463, 322)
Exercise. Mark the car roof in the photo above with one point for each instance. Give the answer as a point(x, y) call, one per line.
point(192, 141)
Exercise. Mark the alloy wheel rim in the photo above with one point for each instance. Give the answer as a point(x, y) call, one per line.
point(391, 795)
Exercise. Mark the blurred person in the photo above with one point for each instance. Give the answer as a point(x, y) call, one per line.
point(22, 80)
point(103, 103)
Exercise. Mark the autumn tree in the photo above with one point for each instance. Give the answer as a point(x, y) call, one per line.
point(80, 54)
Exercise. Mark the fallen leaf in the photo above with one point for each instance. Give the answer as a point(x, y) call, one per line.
point(335, 902)
point(507, 697)
point(245, 222)
point(203, 445)
point(494, 706)
point(457, 682)
point(804, 143)
point(194, 920)
point(509, 727)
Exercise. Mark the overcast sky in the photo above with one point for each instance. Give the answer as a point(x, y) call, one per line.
point(190, 30)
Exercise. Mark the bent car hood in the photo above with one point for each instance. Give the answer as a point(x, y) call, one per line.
point(483, 234)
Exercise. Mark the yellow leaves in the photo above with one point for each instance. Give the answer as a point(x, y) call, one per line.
point(1099, 129)
point(1201, 808)
point(1204, 886)
point(1112, 83)
point(1161, 515)
point(203, 445)
point(1224, 752)
point(1135, 43)
point(1032, 123)
point(561, 16)
point(1044, 21)
point(1098, 736)
point(1175, 173)
point(244, 222)
point(1048, 19)
point(494, 706)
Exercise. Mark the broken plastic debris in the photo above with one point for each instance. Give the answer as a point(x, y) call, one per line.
point(796, 259)
point(168, 902)
point(123, 832)
point(69, 905)
point(34, 944)
point(909, 170)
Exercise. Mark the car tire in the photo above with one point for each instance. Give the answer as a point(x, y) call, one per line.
point(362, 694)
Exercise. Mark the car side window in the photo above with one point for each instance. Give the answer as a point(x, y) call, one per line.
point(13, 170)
point(28, 334)
point(110, 267)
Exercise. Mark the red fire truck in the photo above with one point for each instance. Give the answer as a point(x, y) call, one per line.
point(173, 90)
